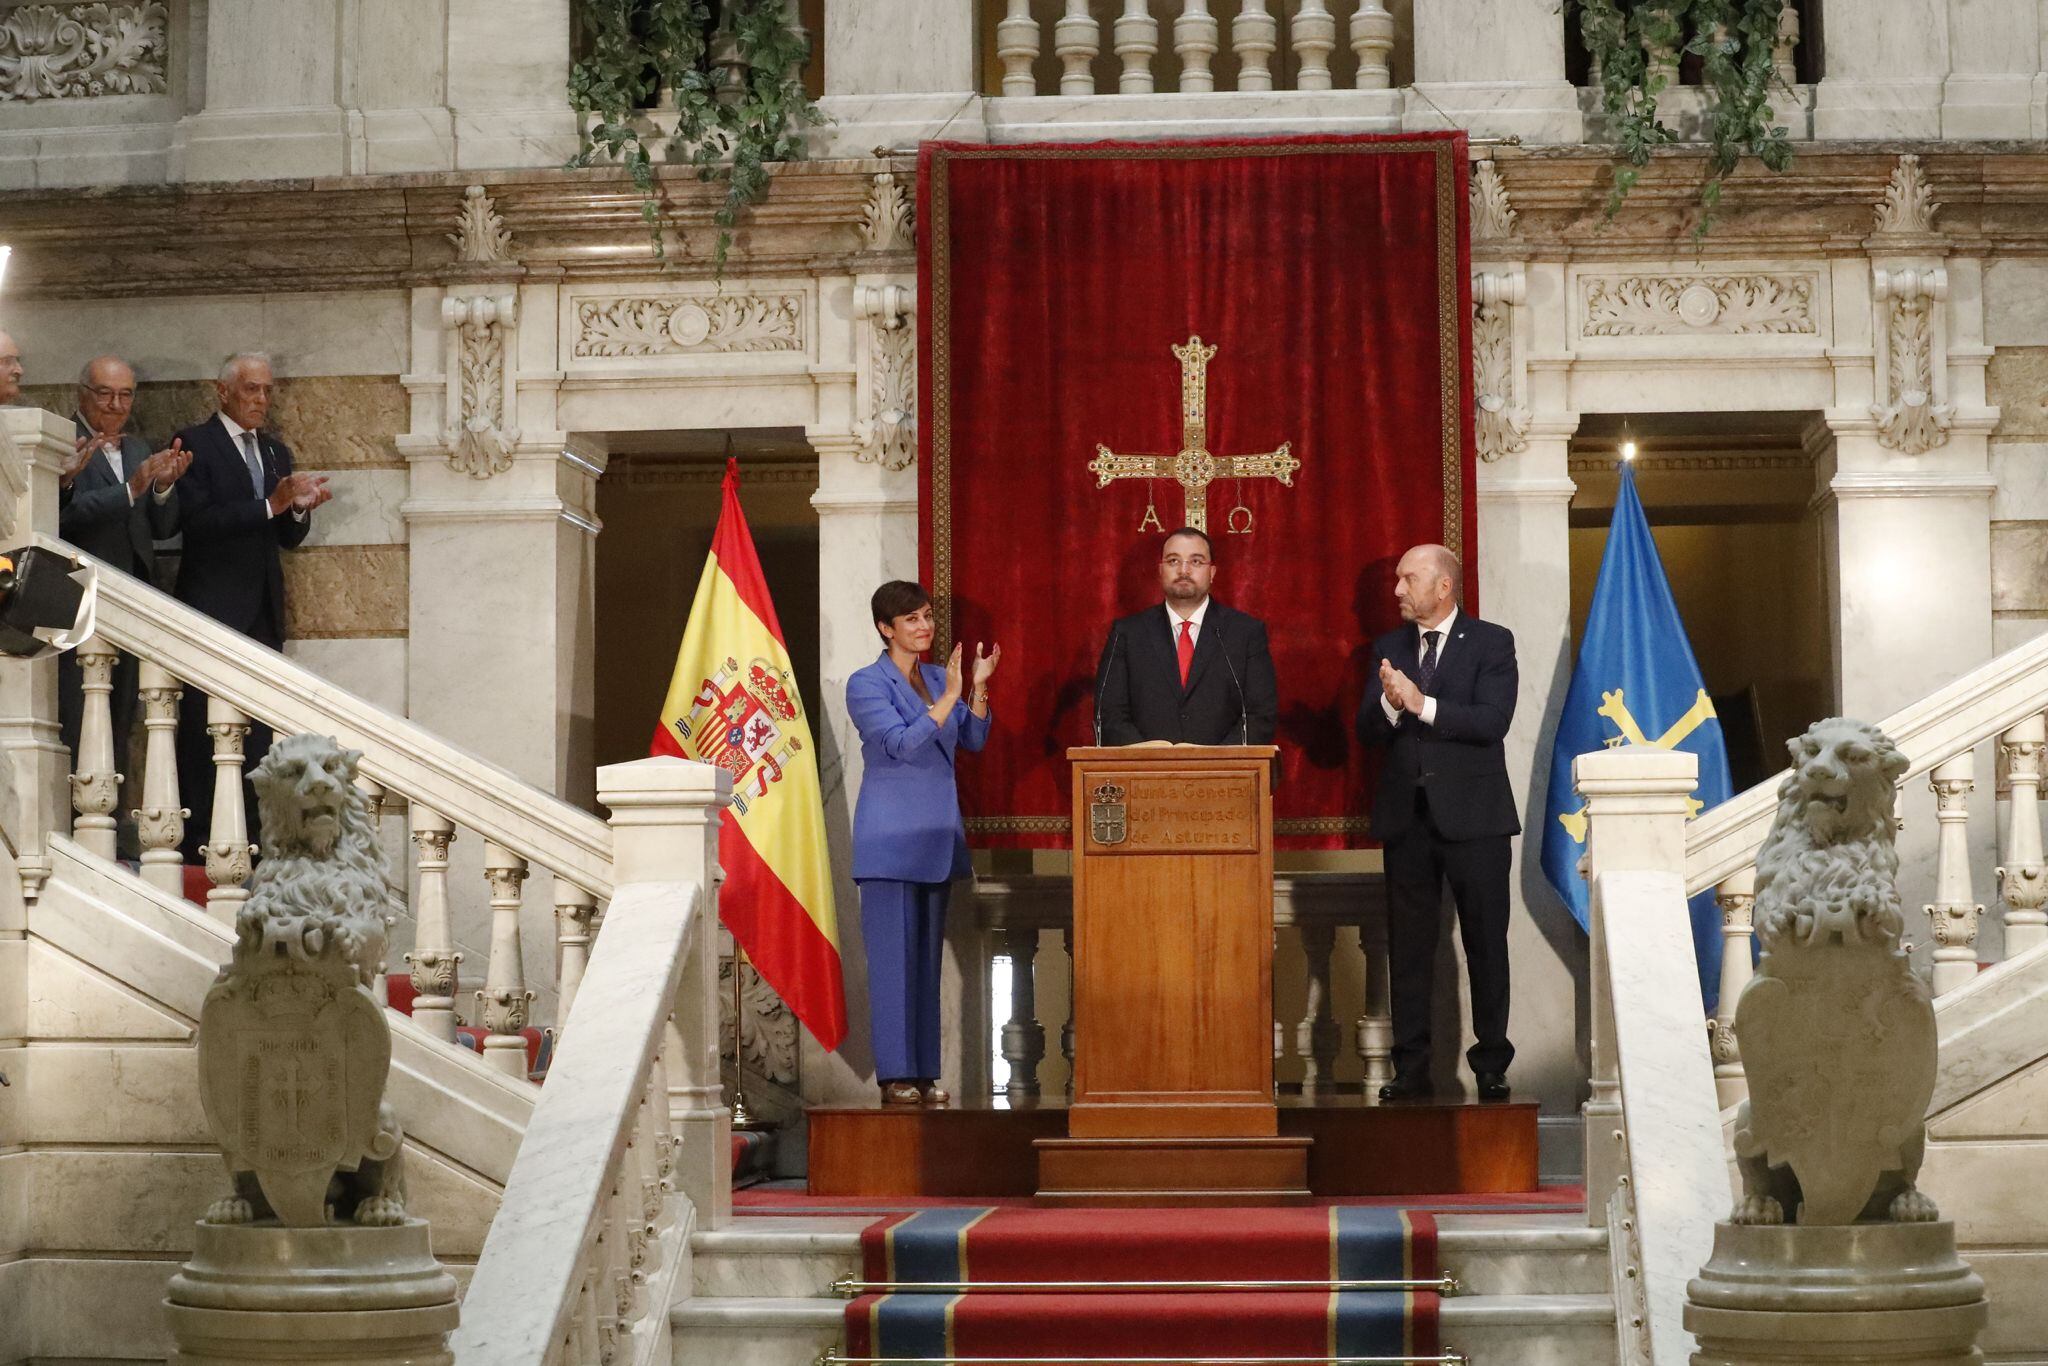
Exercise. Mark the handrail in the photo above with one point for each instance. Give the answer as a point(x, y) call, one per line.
point(1981, 704)
point(523, 1305)
point(400, 754)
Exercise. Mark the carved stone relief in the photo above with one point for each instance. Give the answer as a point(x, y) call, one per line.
point(1910, 416)
point(1698, 305)
point(768, 1034)
point(887, 427)
point(1908, 208)
point(886, 220)
point(688, 324)
point(480, 434)
point(1493, 217)
point(480, 236)
point(83, 51)
point(1503, 425)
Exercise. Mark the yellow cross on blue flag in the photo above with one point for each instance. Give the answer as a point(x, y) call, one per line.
point(1636, 683)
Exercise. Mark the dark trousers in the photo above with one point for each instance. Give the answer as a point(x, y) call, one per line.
point(195, 766)
point(903, 925)
point(1418, 865)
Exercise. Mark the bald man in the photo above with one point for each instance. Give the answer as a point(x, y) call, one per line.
point(1444, 812)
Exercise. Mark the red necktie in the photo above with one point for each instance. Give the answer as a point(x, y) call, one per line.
point(1186, 650)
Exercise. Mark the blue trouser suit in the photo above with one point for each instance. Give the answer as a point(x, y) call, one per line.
point(903, 925)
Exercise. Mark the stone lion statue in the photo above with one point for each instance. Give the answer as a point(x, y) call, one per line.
point(1837, 1033)
point(294, 1050)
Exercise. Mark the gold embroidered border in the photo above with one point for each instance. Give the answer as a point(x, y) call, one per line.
point(1449, 388)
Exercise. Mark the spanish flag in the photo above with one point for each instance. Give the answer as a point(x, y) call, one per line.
point(733, 702)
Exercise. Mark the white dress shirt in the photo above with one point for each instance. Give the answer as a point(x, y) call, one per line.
point(1193, 619)
point(1443, 641)
point(235, 430)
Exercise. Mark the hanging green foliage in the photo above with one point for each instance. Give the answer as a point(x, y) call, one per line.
point(1636, 46)
point(734, 72)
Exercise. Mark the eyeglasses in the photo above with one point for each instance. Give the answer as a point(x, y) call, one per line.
point(1191, 562)
point(106, 395)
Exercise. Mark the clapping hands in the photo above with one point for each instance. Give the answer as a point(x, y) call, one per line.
point(985, 664)
point(1400, 690)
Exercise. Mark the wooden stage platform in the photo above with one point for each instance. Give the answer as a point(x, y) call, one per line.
point(1359, 1149)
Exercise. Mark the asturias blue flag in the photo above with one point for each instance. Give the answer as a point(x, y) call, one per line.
point(1636, 681)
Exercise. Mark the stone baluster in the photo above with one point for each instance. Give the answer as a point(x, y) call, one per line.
point(1954, 914)
point(2022, 878)
point(1662, 57)
point(1067, 1029)
point(574, 911)
point(95, 785)
point(1195, 42)
point(1372, 39)
point(433, 959)
point(1017, 44)
point(1136, 40)
point(1076, 41)
point(504, 1001)
point(1023, 1035)
point(160, 821)
point(230, 858)
point(1254, 37)
point(373, 799)
point(1315, 37)
point(1783, 66)
point(1737, 898)
point(1317, 1036)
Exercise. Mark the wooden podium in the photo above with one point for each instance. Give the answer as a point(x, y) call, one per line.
point(1173, 984)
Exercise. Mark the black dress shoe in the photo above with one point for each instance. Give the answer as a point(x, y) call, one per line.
point(1492, 1085)
point(1406, 1088)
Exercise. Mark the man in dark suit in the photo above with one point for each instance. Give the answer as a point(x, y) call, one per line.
point(1190, 669)
point(116, 499)
point(1444, 812)
point(243, 505)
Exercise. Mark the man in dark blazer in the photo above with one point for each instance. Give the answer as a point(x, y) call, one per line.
point(1190, 669)
point(115, 500)
point(242, 505)
point(1444, 812)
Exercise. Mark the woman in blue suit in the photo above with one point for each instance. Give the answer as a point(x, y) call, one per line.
point(908, 842)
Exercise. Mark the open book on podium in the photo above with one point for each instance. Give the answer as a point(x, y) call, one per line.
point(1173, 983)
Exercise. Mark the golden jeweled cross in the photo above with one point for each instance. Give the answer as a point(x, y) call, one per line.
point(1194, 466)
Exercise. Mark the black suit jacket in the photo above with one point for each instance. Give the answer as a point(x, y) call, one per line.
point(1231, 697)
point(230, 568)
point(1460, 761)
point(95, 515)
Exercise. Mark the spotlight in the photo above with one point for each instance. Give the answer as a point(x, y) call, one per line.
point(48, 602)
point(1628, 441)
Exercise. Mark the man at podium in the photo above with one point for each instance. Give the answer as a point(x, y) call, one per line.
point(1189, 670)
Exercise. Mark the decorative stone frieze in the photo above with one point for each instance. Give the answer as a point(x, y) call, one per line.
point(1676, 304)
point(1907, 211)
point(887, 220)
point(480, 236)
point(688, 324)
point(480, 432)
point(74, 51)
point(1911, 416)
point(1503, 422)
point(1493, 217)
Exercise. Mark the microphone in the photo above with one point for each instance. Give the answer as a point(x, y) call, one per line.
point(1116, 638)
point(1244, 720)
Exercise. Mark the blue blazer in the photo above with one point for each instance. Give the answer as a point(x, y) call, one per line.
point(906, 825)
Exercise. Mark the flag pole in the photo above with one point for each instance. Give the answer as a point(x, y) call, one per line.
point(743, 1119)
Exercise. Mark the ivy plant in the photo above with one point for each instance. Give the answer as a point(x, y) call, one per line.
point(734, 73)
point(1637, 45)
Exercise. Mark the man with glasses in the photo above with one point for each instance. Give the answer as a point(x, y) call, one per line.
point(1190, 669)
point(116, 500)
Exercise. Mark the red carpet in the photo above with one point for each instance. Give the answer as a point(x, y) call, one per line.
point(792, 1199)
point(1010, 1283)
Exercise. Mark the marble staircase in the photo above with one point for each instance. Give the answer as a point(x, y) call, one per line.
point(1536, 1290)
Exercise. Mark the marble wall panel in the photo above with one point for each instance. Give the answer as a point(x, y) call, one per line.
point(2019, 1313)
point(154, 1090)
point(2017, 381)
point(365, 510)
point(345, 591)
point(2016, 301)
point(456, 1202)
point(14, 1281)
point(2021, 468)
point(169, 338)
point(14, 1188)
point(373, 669)
point(2019, 566)
point(98, 1309)
point(121, 1201)
point(331, 422)
point(1996, 1191)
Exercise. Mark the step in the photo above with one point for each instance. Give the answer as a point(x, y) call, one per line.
point(795, 1256)
point(1490, 1330)
point(1523, 1254)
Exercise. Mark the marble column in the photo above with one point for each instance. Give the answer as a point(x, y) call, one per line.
point(508, 83)
point(1995, 51)
point(867, 534)
point(273, 94)
point(396, 82)
point(500, 659)
point(1495, 67)
point(897, 72)
point(1885, 72)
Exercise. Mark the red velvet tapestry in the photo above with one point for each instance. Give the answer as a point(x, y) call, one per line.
point(1330, 275)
